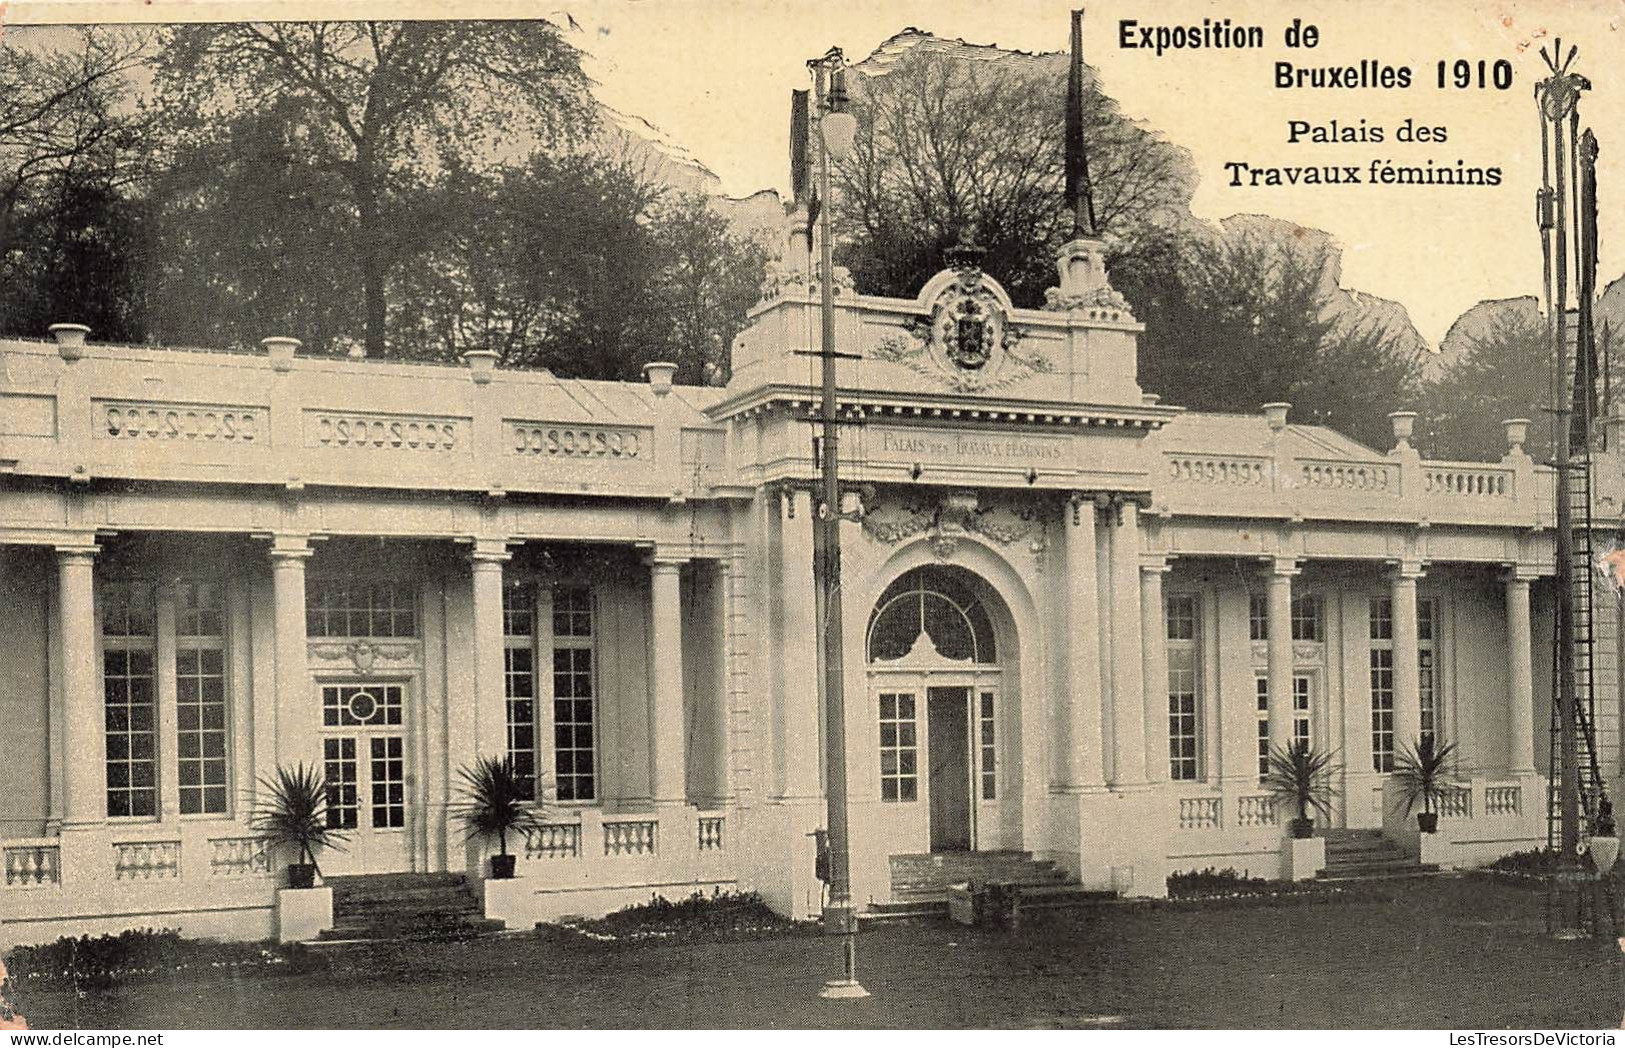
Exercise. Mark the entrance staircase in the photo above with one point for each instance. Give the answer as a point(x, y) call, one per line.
point(1367, 854)
point(390, 906)
point(920, 882)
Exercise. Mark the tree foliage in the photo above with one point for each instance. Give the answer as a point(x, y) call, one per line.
point(950, 145)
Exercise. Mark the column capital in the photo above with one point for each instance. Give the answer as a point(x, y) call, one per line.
point(1285, 567)
point(77, 551)
point(1519, 573)
point(665, 563)
point(1403, 571)
point(1156, 563)
point(285, 547)
point(489, 552)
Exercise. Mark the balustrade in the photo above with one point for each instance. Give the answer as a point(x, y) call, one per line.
point(1333, 475)
point(1503, 800)
point(1456, 802)
point(1255, 810)
point(1468, 481)
point(32, 865)
point(554, 840)
point(1199, 813)
point(630, 838)
point(1219, 470)
point(147, 860)
point(238, 857)
point(710, 833)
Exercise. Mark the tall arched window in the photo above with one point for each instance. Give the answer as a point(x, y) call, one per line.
point(940, 603)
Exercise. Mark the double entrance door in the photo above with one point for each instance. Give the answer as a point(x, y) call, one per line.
point(960, 753)
point(364, 763)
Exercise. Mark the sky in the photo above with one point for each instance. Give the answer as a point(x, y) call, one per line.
point(714, 76)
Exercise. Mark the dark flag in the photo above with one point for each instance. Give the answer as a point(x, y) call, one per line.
point(801, 187)
point(1078, 194)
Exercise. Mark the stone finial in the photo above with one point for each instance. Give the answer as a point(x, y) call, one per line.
point(1404, 423)
point(1517, 431)
point(280, 349)
point(70, 340)
point(660, 373)
point(481, 362)
point(1275, 414)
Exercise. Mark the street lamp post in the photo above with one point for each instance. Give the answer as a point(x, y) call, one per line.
point(834, 130)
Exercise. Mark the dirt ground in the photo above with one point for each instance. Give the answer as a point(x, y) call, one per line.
point(1438, 953)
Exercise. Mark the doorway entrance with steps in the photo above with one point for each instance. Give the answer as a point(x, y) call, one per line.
point(379, 907)
point(364, 727)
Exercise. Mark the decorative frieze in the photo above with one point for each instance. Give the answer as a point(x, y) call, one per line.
point(197, 423)
point(895, 516)
point(363, 654)
point(570, 440)
point(1349, 476)
point(1234, 471)
point(379, 431)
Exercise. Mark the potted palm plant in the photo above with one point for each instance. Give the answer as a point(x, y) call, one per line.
point(1422, 773)
point(1301, 776)
point(496, 804)
point(293, 812)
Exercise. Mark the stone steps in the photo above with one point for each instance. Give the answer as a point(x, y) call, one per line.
point(1367, 855)
point(921, 879)
point(395, 906)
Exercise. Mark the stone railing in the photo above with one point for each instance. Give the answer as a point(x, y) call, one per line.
point(1456, 802)
point(1228, 471)
point(32, 863)
point(1199, 813)
point(554, 840)
point(1468, 481)
point(710, 832)
point(1256, 810)
point(1503, 800)
point(1380, 478)
point(238, 857)
point(633, 837)
point(147, 860)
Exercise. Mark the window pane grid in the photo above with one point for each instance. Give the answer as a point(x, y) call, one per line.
point(574, 695)
point(1301, 698)
point(200, 698)
point(1306, 617)
point(1427, 680)
point(899, 752)
point(519, 682)
point(339, 771)
point(388, 783)
point(355, 608)
point(1262, 686)
point(1184, 743)
point(1258, 616)
point(132, 742)
point(989, 747)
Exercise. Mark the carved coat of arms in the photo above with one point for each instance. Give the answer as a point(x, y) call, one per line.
point(967, 340)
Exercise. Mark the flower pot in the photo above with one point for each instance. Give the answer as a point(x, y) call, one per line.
point(70, 340)
point(1604, 851)
point(302, 875)
point(1302, 829)
point(502, 867)
point(1427, 821)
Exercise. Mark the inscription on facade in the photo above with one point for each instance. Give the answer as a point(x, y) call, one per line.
point(968, 448)
point(354, 429)
point(204, 423)
point(564, 440)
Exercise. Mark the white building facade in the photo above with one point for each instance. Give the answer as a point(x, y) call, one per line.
point(1075, 617)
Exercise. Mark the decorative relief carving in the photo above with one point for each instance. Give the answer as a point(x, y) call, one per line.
point(967, 340)
point(365, 429)
point(363, 654)
point(779, 279)
point(1103, 303)
point(202, 423)
point(891, 517)
point(570, 440)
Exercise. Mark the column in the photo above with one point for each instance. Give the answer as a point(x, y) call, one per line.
point(490, 692)
point(1520, 678)
point(1154, 666)
point(86, 743)
point(666, 698)
point(296, 705)
point(1280, 651)
point(722, 622)
point(1407, 669)
point(798, 685)
point(1085, 763)
point(164, 694)
point(1128, 684)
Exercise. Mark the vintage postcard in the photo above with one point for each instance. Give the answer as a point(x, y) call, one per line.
point(766, 514)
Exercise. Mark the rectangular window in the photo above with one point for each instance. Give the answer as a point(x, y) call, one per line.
point(129, 638)
point(200, 697)
point(1262, 686)
point(1382, 685)
point(1306, 618)
point(1427, 663)
point(574, 694)
point(388, 782)
point(519, 681)
point(1302, 696)
point(350, 607)
point(989, 748)
point(899, 748)
point(339, 771)
point(1258, 616)
point(1183, 739)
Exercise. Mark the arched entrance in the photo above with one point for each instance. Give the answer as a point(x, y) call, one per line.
point(934, 671)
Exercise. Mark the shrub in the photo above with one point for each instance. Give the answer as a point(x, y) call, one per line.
point(1534, 860)
point(93, 964)
point(699, 913)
